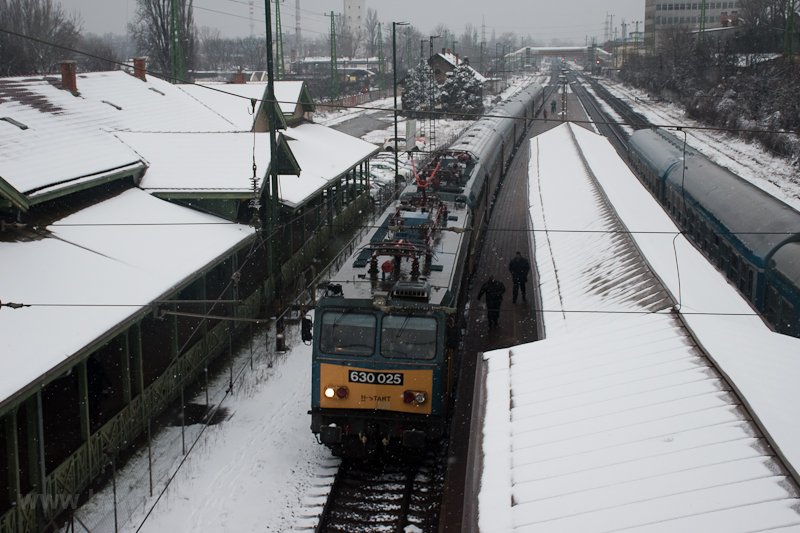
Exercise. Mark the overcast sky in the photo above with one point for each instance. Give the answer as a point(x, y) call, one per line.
point(544, 20)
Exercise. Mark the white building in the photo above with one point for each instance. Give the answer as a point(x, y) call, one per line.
point(355, 12)
point(662, 14)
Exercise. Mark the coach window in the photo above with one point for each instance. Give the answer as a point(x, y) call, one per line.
point(408, 337)
point(346, 333)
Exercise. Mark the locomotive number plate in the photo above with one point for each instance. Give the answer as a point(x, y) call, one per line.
point(376, 378)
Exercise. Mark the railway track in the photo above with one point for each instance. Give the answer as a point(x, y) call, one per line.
point(385, 496)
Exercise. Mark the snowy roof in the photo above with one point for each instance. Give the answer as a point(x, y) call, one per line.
point(42, 119)
point(628, 424)
point(342, 153)
point(454, 60)
point(89, 272)
point(75, 129)
point(232, 100)
point(152, 105)
point(225, 168)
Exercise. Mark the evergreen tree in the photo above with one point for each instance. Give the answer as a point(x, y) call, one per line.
point(417, 93)
point(462, 93)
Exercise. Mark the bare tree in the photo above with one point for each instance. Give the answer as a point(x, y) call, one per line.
point(469, 45)
point(371, 29)
point(253, 52)
point(101, 53)
point(40, 19)
point(151, 31)
point(347, 39)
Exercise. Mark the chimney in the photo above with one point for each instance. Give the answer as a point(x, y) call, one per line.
point(238, 77)
point(68, 79)
point(140, 68)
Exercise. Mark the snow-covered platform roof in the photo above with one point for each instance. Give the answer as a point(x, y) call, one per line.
point(90, 272)
point(629, 414)
point(227, 166)
point(232, 100)
point(307, 142)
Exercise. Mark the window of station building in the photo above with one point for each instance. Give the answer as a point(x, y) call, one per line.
point(347, 333)
point(694, 6)
point(408, 337)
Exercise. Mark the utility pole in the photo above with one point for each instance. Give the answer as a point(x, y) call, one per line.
point(397, 177)
point(176, 55)
point(334, 66)
point(702, 18)
point(279, 44)
point(274, 202)
point(252, 12)
point(298, 41)
point(432, 123)
point(381, 61)
point(788, 33)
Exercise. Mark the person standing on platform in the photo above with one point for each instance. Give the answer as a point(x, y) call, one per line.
point(519, 268)
point(494, 290)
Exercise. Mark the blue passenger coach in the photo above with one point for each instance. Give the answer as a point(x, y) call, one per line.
point(749, 235)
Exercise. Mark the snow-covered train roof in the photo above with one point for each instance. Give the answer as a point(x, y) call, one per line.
point(440, 277)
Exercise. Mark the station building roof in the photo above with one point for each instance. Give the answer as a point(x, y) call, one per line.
point(178, 140)
point(85, 275)
point(233, 100)
point(636, 411)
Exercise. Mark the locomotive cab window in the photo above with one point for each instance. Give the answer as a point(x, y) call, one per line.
point(345, 333)
point(408, 337)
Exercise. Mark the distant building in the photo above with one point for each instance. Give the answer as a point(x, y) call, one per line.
point(445, 62)
point(662, 14)
point(355, 12)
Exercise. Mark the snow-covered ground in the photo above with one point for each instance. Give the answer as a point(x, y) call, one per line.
point(261, 469)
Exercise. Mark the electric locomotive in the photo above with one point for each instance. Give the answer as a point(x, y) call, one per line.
point(386, 331)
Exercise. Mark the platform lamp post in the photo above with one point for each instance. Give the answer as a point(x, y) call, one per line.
point(394, 89)
point(432, 100)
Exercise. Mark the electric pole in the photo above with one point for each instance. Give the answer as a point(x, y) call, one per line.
point(334, 69)
point(381, 62)
point(176, 42)
point(279, 44)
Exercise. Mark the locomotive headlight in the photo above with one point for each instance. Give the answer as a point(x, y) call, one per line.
point(420, 397)
point(330, 392)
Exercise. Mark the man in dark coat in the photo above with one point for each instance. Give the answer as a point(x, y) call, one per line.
point(519, 268)
point(494, 290)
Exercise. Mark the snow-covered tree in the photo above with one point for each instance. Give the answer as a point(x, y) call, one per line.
point(420, 91)
point(462, 93)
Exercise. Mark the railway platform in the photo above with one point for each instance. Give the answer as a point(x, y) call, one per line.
point(508, 233)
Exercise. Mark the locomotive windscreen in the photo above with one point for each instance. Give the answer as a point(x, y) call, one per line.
point(344, 333)
point(408, 337)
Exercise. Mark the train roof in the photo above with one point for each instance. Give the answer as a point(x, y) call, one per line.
point(437, 283)
point(658, 148)
point(787, 262)
point(760, 221)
